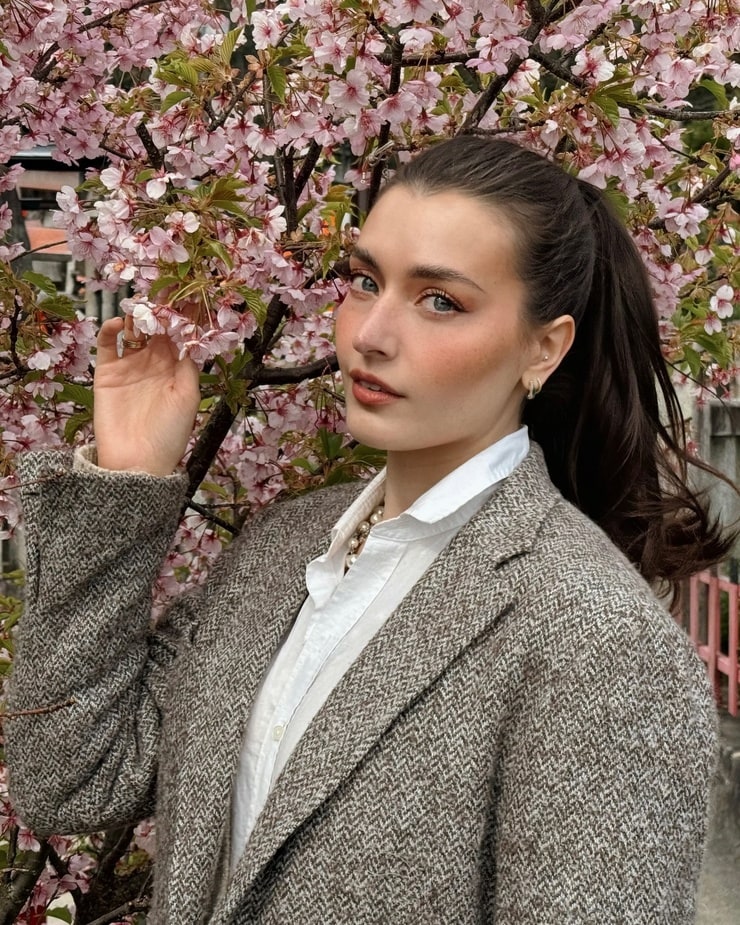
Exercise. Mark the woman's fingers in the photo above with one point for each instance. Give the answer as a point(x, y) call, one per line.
point(108, 340)
point(132, 339)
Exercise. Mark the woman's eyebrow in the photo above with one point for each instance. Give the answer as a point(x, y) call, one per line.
point(423, 271)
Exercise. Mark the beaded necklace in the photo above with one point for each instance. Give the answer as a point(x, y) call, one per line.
point(362, 532)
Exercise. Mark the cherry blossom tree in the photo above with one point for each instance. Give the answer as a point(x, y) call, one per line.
point(230, 152)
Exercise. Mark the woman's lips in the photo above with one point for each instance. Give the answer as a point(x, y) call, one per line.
point(369, 390)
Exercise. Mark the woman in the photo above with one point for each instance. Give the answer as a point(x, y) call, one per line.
point(463, 703)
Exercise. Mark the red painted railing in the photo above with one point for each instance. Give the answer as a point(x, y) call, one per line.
point(713, 625)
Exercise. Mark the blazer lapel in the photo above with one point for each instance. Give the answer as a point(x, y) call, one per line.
point(252, 621)
point(462, 595)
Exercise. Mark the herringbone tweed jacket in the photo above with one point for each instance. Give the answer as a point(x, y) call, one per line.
point(529, 739)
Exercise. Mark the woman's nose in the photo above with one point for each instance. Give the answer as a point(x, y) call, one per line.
point(376, 332)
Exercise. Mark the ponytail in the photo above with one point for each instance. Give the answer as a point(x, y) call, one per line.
point(610, 423)
point(608, 419)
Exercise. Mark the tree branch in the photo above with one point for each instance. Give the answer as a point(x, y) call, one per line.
point(223, 416)
point(214, 518)
point(307, 167)
point(244, 85)
point(556, 68)
point(208, 445)
point(271, 375)
point(537, 13)
point(288, 193)
point(14, 332)
point(115, 915)
point(44, 65)
point(21, 887)
point(155, 155)
point(486, 99)
point(712, 187)
point(38, 711)
point(439, 57)
point(394, 84)
point(62, 869)
point(685, 115)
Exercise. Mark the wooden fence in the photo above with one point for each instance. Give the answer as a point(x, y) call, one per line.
point(713, 623)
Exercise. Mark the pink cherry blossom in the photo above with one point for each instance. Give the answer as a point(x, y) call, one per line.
point(592, 64)
point(722, 303)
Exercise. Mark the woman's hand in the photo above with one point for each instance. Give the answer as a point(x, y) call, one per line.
point(145, 402)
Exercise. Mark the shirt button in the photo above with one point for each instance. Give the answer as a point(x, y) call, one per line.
point(277, 732)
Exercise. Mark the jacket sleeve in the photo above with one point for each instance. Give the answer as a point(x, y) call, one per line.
point(90, 674)
point(604, 790)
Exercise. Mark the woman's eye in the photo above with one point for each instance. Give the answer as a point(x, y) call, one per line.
point(441, 303)
point(361, 282)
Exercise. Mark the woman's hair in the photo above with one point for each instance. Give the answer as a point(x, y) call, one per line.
point(608, 418)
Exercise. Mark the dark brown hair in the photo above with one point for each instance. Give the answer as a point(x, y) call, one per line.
point(608, 418)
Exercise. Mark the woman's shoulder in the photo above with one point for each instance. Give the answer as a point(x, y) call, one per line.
point(574, 588)
point(319, 509)
point(293, 527)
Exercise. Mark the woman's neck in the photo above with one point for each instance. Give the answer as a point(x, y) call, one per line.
point(409, 475)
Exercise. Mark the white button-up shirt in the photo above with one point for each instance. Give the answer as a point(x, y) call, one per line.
point(344, 610)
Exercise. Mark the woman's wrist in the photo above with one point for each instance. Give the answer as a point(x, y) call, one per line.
point(87, 458)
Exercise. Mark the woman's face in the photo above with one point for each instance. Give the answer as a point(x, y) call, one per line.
point(431, 339)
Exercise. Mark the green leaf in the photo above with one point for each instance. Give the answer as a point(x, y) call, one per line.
point(204, 65)
point(172, 99)
point(717, 91)
point(302, 463)
point(619, 201)
point(226, 205)
point(189, 74)
point(236, 393)
point(228, 45)
point(331, 443)
point(339, 192)
point(163, 283)
point(213, 488)
point(716, 345)
point(230, 188)
point(329, 258)
point(368, 455)
point(64, 915)
point(453, 82)
point(692, 359)
point(217, 249)
point(608, 105)
point(75, 423)
point(79, 394)
point(278, 81)
point(240, 361)
point(59, 306)
point(40, 282)
point(255, 303)
point(304, 209)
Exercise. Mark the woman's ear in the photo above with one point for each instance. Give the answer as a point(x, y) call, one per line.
point(550, 343)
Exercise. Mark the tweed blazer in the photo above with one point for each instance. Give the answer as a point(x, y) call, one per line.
point(529, 739)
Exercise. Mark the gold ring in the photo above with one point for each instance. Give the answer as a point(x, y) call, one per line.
point(133, 344)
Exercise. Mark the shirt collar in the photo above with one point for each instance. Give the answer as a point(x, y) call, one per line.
point(478, 474)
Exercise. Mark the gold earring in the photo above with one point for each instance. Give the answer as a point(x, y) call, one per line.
point(535, 387)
